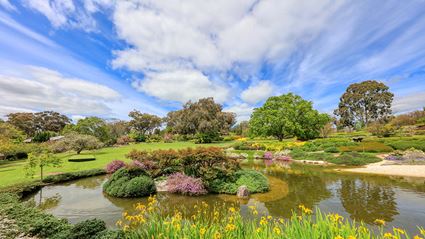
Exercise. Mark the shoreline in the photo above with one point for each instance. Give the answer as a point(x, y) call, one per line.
point(385, 167)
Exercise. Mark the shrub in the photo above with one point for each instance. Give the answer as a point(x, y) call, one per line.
point(81, 158)
point(254, 180)
point(42, 136)
point(113, 166)
point(63, 177)
point(124, 140)
point(168, 138)
point(87, 229)
point(331, 150)
point(354, 159)
point(186, 185)
point(268, 155)
point(407, 144)
point(373, 147)
point(381, 130)
point(129, 182)
point(206, 138)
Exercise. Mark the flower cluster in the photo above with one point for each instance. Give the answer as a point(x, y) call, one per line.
point(113, 166)
point(180, 183)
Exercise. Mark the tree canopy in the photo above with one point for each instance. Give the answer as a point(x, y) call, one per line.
point(93, 126)
point(364, 102)
point(202, 117)
point(32, 123)
point(144, 123)
point(287, 115)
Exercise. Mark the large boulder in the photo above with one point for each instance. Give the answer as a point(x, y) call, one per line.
point(243, 192)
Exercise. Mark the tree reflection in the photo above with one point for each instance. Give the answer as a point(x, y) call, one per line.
point(367, 201)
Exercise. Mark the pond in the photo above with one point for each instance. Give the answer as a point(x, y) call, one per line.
point(400, 201)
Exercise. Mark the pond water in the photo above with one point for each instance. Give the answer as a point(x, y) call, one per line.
point(400, 201)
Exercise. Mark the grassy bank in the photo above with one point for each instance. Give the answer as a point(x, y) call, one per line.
point(222, 222)
point(12, 172)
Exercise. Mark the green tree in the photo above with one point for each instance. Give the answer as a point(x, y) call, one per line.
point(287, 116)
point(40, 160)
point(10, 132)
point(204, 118)
point(144, 123)
point(79, 142)
point(93, 126)
point(241, 129)
point(23, 121)
point(364, 102)
point(33, 123)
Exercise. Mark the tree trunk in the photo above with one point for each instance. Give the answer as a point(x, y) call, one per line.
point(79, 151)
point(41, 173)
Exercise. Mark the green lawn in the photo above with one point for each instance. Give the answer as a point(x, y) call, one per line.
point(12, 172)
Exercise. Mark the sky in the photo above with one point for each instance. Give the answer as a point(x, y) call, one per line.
point(105, 58)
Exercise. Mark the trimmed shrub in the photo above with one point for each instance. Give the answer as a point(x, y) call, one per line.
point(63, 177)
point(186, 185)
point(124, 140)
point(42, 136)
point(254, 180)
point(372, 146)
point(82, 158)
point(87, 229)
point(113, 166)
point(354, 159)
point(332, 150)
point(129, 182)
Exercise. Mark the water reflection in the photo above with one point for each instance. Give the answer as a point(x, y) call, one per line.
point(367, 201)
point(399, 201)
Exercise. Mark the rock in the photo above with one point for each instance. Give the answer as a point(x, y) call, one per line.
point(243, 192)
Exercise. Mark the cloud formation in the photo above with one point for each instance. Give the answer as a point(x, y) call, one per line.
point(257, 92)
point(45, 89)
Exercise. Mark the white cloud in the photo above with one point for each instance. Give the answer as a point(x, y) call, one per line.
point(410, 102)
point(213, 36)
point(44, 89)
point(7, 5)
point(182, 86)
point(257, 92)
point(243, 111)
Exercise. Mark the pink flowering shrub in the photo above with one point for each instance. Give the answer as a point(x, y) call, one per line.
point(268, 155)
point(114, 166)
point(186, 185)
point(146, 164)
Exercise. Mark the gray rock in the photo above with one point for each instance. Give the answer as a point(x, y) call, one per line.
point(243, 192)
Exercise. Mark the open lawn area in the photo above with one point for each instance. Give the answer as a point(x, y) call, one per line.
point(13, 172)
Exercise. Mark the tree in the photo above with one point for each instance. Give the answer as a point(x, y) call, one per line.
point(32, 123)
point(80, 142)
point(118, 128)
point(93, 126)
point(364, 102)
point(144, 123)
point(10, 132)
point(242, 128)
point(41, 160)
point(204, 118)
point(287, 116)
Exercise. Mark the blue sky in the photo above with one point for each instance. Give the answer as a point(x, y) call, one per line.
point(105, 58)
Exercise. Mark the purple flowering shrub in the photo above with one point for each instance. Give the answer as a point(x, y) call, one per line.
point(186, 185)
point(146, 164)
point(268, 156)
point(114, 166)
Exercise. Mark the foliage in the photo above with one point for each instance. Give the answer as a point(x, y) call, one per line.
point(370, 146)
point(207, 138)
point(124, 140)
point(406, 143)
point(332, 149)
point(364, 102)
point(31, 123)
point(63, 177)
point(117, 130)
point(168, 138)
point(287, 116)
point(202, 118)
point(10, 132)
point(78, 142)
point(381, 130)
point(411, 118)
point(186, 185)
point(87, 229)
point(30, 220)
point(129, 182)
point(82, 158)
point(43, 136)
point(224, 222)
point(138, 137)
point(299, 154)
point(241, 128)
point(355, 159)
point(41, 160)
point(144, 123)
point(113, 166)
point(93, 126)
point(254, 180)
point(14, 151)
point(411, 156)
point(206, 163)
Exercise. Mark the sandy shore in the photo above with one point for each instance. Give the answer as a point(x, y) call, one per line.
point(386, 167)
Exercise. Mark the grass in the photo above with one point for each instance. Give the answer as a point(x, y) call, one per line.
point(12, 172)
point(221, 222)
